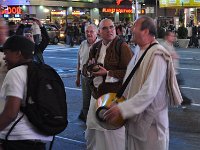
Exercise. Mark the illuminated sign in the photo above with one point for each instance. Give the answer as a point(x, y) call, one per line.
point(142, 12)
point(118, 2)
point(58, 12)
point(120, 10)
point(12, 10)
point(179, 3)
point(77, 13)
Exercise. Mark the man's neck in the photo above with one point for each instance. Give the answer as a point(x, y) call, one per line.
point(106, 42)
point(90, 42)
point(147, 43)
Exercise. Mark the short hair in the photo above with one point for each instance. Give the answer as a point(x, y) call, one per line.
point(106, 19)
point(20, 43)
point(167, 33)
point(148, 23)
point(92, 25)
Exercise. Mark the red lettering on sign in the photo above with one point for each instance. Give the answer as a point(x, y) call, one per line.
point(12, 10)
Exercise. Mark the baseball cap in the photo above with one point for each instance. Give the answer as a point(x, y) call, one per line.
point(19, 43)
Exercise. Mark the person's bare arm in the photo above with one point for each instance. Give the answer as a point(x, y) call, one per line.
point(10, 111)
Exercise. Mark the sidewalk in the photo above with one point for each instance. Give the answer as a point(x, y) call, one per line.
point(184, 128)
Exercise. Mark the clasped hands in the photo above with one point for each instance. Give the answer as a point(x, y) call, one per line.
point(101, 71)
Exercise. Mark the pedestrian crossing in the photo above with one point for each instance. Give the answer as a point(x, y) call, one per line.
point(53, 48)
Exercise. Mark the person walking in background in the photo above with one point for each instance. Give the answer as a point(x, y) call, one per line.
point(168, 44)
point(128, 32)
point(107, 79)
point(69, 32)
point(39, 49)
point(11, 28)
point(81, 80)
point(119, 31)
point(147, 97)
point(3, 31)
point(18, 50)
point(3, 68)
point(36, 32)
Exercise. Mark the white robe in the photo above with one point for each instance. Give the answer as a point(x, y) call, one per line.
point(147, 111)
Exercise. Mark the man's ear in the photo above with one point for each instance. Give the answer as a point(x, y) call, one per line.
point(19, 53)
point(146, 31)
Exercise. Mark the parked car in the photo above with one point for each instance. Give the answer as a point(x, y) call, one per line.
point(53, 32)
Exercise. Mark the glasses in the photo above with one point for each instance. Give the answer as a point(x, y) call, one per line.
point(107, 28)
point(91, 31)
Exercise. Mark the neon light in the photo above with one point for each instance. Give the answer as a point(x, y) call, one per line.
point(12, 10)
point(120, 10)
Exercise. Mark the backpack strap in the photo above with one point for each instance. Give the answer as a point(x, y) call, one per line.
point(128, 79)
point(12, 127)
point(118, 45)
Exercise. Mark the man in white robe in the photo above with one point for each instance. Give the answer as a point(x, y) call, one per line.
point(148, 94)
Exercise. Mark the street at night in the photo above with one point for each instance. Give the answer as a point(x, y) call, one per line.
point(64, 60)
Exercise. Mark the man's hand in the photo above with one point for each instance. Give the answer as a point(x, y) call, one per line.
point(78, 82)
point(102, 72)
point(112, 114)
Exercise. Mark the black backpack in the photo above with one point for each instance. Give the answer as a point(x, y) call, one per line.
point(46, 106)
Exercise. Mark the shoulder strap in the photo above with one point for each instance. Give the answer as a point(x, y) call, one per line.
point(95, 48)
point(121, 91)
point(12, 127)
point(118, 45)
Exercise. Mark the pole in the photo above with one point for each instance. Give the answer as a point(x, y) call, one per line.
point(133, 9)
point(136, 9)
point(156, 9)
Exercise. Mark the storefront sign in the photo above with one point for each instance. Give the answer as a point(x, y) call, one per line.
point(179, 3)
point(77, 13)
point(58, 13)
point(120, 10)
point(12, 10)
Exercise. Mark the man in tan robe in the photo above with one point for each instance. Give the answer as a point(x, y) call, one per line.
point(148, 94)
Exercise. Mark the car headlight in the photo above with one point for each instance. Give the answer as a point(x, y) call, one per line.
point(62, 35)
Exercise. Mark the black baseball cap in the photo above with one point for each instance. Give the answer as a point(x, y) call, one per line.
point(19, 43)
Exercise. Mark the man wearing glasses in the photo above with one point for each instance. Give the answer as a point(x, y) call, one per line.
point(83, 54)
point(114, 59)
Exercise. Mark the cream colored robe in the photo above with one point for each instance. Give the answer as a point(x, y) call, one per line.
point(148, 94)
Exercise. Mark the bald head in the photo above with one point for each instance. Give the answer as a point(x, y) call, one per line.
point(107, 30)
point(144, 31)
point(148, 23)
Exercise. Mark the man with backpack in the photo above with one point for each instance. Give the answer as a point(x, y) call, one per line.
point(16, 125)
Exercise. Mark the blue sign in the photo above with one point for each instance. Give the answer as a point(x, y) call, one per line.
point(14, 2)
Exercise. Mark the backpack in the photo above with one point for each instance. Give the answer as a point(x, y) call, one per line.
point(45, 106)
